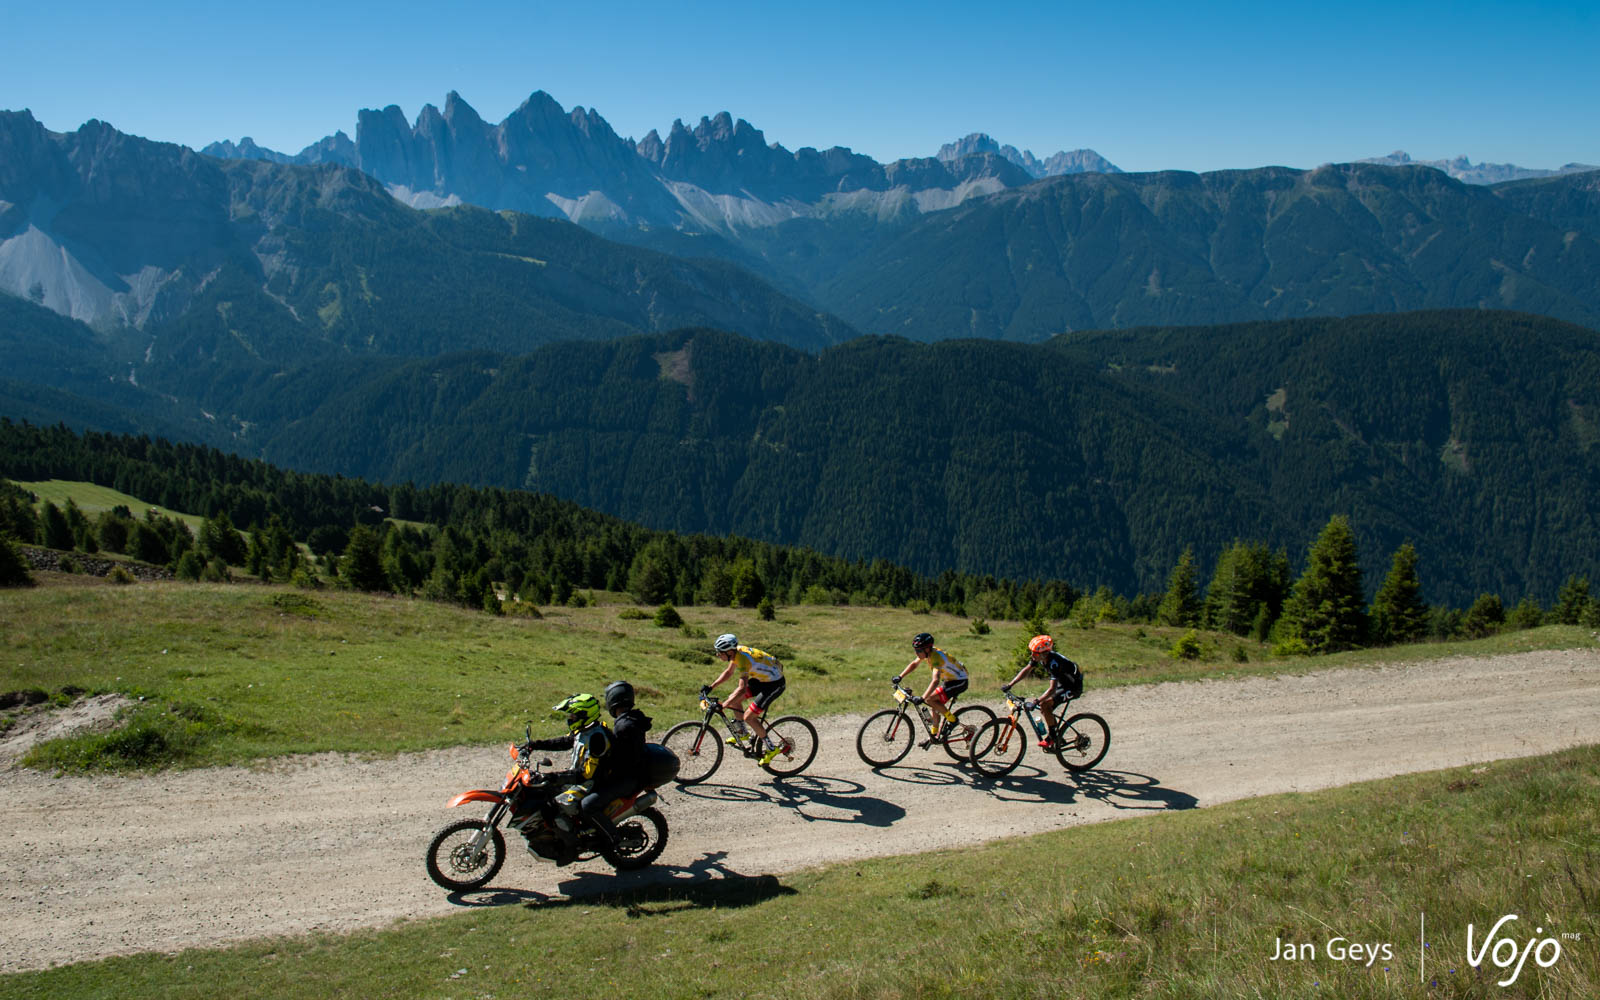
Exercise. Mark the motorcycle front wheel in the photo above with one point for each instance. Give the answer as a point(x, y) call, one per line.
point(640, 840)
point(455, 866)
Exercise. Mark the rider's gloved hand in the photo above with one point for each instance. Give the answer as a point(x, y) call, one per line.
point(705, 690)
point(1006, 688)
point(894, 680)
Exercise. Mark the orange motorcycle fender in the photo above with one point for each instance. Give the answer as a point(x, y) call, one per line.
point(476, 795)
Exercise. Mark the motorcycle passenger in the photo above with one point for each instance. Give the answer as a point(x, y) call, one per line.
point(949, 677)
point(592, 770)
point(760, 681)
point(1066, 680)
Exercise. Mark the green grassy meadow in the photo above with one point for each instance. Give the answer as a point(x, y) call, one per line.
point(93, 500)
point(250, 671)
point(1175, 905)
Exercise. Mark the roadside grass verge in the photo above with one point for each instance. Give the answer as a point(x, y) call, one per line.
point(272, 670)
point(1178, 905)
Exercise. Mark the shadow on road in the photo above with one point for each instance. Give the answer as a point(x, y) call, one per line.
point(705, 884)
point(1117, 789)
point(832, 800)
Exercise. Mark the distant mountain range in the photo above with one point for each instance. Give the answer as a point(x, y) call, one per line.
point(1464, 170)
point(721, 176)
point(129, 234)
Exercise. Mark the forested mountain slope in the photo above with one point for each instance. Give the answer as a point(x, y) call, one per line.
point(1096, 457)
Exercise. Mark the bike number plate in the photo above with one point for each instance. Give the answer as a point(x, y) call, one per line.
point(705, 704)
point(899, 695)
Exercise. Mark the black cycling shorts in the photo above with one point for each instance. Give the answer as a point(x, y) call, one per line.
point(762, 693)
point(952, 688)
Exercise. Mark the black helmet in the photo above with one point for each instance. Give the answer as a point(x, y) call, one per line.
point(921, 640)
point(619, 697)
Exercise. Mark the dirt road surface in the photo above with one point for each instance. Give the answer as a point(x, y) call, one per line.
point(108, 866)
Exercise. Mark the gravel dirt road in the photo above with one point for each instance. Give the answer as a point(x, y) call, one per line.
point(108, 866)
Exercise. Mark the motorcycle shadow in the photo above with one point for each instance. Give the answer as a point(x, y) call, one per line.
point(703, 884)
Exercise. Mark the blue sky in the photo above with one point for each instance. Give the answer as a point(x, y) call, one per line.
point(1150, 86)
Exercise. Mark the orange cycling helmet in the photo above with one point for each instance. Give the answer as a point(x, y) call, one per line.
point(1041, 644)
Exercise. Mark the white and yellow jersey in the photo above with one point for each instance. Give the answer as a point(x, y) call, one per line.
point(757, 665)
point(947, 667)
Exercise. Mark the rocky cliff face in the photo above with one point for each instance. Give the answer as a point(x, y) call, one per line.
point(1078, 161)
point(1467, 172)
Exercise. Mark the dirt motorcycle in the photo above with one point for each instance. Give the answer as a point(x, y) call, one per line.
point(466, 854)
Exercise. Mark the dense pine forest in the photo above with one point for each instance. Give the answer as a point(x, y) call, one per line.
point(479, 546)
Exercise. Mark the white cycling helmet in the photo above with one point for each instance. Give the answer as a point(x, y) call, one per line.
point(727, 642)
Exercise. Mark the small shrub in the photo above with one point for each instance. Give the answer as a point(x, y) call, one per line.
point(1187, 647)
point(690, 656)
point(120, 576)
point(305, 579)
point(577, 600)
point(491, 602)
point(667, 617)
point(766, 609)
point(13, 568)
point(297, 604)
point(780, 650)
point(692, 631)
point(979, 627)
point(68, 565)
point(1291, 645)
point(1239, 655)
point(807, 667)
point(918, 606)
point(633, 615)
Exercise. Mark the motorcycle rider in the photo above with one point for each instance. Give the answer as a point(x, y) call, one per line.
point(604, 765)
point(1066, 680)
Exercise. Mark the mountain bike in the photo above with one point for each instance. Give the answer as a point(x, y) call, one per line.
point(699, 745)
point(886, 737)
point(1081, 740)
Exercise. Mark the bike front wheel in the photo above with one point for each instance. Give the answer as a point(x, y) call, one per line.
point(1082, 741)
point(1003, 743)
point(958, 744)
point(699, 749)
point(454, 865)
point(799, 739)
point(885, 738)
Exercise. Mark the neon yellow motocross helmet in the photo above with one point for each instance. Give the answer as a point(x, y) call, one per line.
point(580, 711)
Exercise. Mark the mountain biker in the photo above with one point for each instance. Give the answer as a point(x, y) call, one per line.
point(1066, 680)
point(949, 676)
point(600, 758)
point(760, 680)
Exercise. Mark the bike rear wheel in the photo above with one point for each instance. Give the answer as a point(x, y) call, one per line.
point(453, 864)
point(885, 738)
point(1003, 743)
point(699, 749)
point(1082, 741)
point(968, 722)
point(799, 745)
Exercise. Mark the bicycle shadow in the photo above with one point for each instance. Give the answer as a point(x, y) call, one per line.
point(1123, 790)
point(842, 796)
point(921, 774)
point(660, 889)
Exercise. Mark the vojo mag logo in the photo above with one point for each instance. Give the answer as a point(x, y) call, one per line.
point(1506, 954)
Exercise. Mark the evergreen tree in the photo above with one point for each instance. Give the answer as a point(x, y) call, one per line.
point(1398, 612)
point(747, 588)
point(362, 565)
point(219, 539)
point(1572, 601)
point(13, 568)
point(1327, 608)
point(1484, 618)
point(1181, 606)
point(55, 533)
point(1527, 614)
point(650, 578)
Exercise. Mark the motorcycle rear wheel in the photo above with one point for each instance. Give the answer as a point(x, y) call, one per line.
point(450, 860)
point(643, 838)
